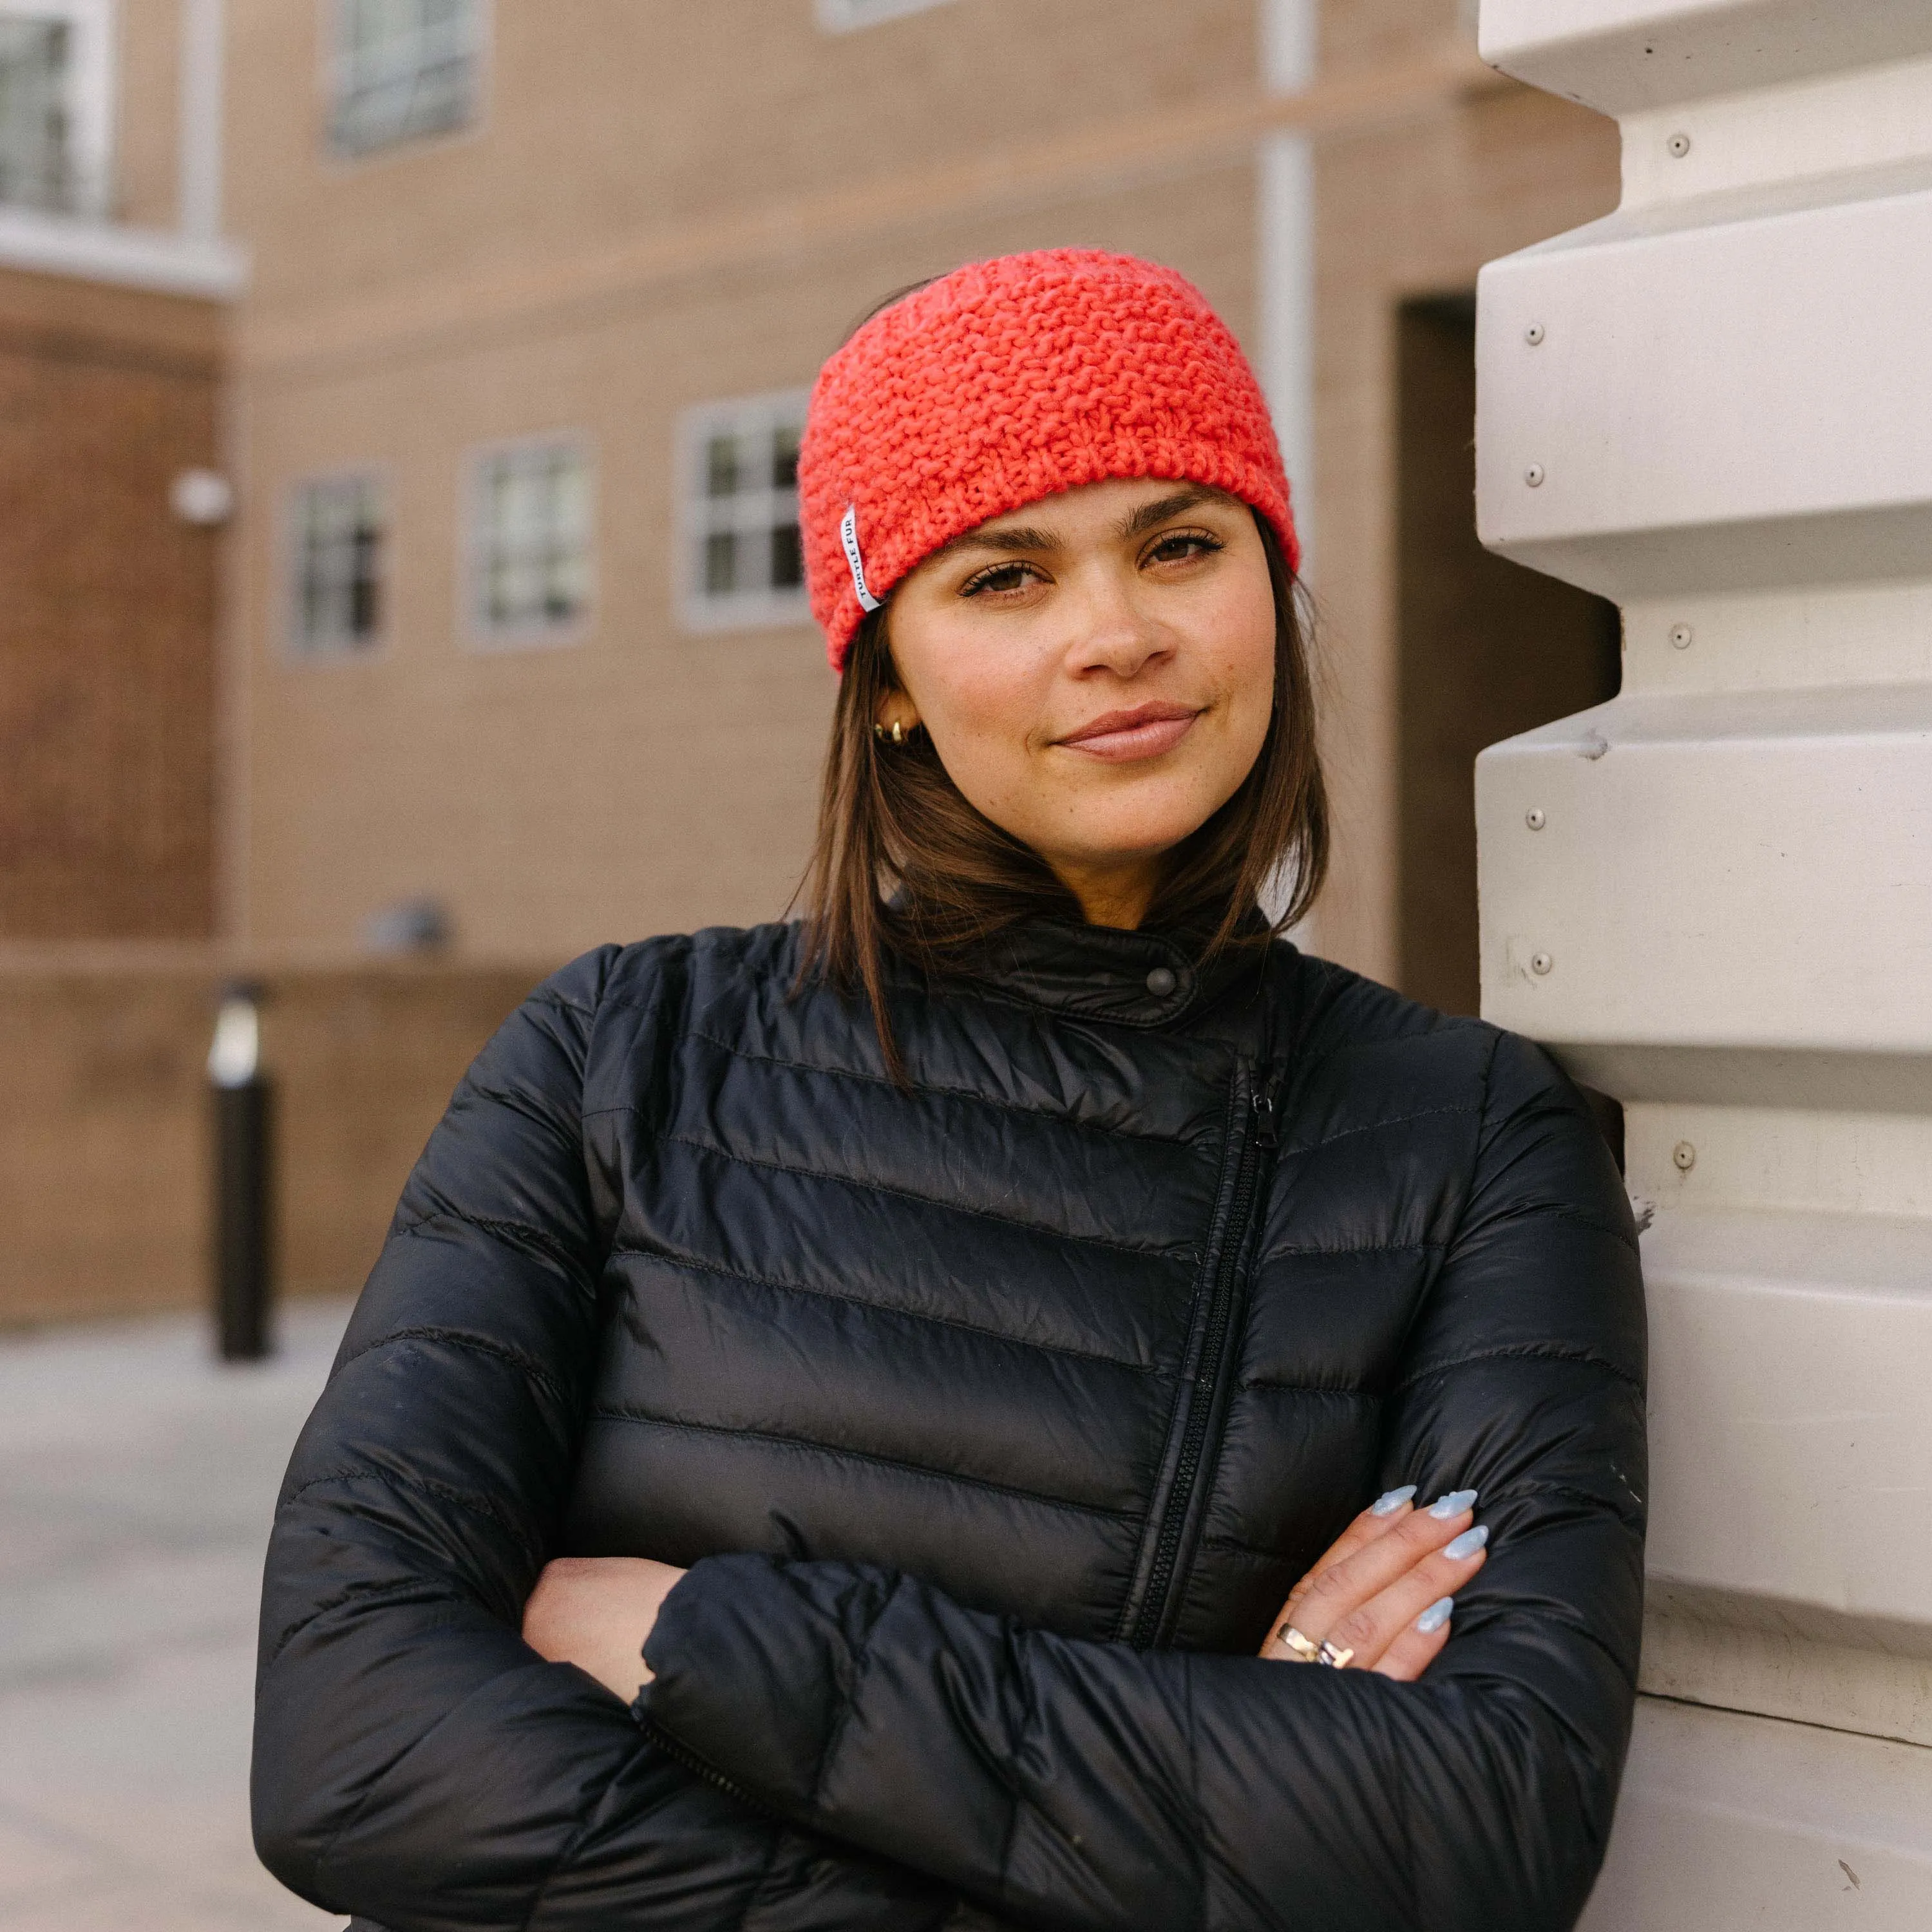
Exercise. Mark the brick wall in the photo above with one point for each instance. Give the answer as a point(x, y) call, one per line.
point(106, 613)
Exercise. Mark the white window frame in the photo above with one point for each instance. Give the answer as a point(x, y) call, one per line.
point(479, 632)
point(700, 609)
point(334, 62)
point(296, 648)
point(91, 95)
point(846, 16)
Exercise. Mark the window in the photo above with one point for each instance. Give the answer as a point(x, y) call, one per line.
point(56, 96)
point(841, 16)
point(338, 526)
point(742, 562)
point(402, 69)
point(530, 522)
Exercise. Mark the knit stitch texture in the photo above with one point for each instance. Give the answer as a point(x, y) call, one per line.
point(1013, 380)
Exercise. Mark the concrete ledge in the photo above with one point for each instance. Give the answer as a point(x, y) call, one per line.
point(1618, 56)
point(1791, 1449)
point(1746, 1666)
point(1728, 1822)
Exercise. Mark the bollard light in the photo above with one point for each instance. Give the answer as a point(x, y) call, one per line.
point(241, 1116)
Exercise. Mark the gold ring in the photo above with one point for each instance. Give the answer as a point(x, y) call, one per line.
point(1336, 1660)
point(1303, 1650)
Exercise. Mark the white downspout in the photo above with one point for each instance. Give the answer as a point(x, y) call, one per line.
point(199, 156)
point(1290, 31)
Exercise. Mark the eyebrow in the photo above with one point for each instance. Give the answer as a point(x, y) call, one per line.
point(1149, 514)
point(1024, 538)
point(1015, 540)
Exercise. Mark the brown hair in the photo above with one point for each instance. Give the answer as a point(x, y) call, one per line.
point(891, 820)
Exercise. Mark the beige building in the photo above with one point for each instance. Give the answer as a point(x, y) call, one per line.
point(497, 317)
point(535, 294)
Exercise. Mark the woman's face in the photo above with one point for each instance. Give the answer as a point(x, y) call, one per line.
point(1097, 673)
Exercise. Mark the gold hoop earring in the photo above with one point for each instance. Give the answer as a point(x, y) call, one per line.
point(897, 734)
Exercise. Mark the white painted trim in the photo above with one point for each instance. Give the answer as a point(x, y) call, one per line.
point(199, 144)
point(846, 17)
point(91, 91)
point(137, 258)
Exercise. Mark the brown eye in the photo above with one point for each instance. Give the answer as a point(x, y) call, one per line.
point(1181, 546)
point(1002, 576)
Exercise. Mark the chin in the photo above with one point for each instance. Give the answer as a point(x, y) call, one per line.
point(1127, 827)
point(1125, 844)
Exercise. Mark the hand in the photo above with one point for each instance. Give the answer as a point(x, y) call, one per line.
point(1394, 1563)
point(596, 1612)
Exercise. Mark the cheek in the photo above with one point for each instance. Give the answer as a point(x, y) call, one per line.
point(980, 706)
point(1240, 646)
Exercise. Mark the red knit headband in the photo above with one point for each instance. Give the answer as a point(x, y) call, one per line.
point(1010, 380)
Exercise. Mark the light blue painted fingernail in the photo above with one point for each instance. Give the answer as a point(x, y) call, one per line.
point(1432, 1619)
point(1453, 1504)
point(1388, 1505)
point(1468, 1543)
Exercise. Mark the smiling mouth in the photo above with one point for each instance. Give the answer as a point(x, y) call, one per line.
point(1145, 732)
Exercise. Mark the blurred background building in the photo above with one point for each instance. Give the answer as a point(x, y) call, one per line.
point(399, 575)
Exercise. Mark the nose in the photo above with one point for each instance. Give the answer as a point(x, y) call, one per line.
point(1112, 632)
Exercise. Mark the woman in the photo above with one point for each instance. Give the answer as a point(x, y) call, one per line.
point(841, 1407)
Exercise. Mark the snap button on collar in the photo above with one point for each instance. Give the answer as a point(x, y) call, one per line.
point(1105, 972)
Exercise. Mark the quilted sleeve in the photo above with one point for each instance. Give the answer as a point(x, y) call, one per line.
point(415, 1762)
point(1092, 1787)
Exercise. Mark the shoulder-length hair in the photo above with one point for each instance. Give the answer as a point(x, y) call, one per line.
point(904, 867)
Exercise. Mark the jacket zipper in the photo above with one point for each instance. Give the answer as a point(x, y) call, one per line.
point(697, 1766)
point(1257, 1136)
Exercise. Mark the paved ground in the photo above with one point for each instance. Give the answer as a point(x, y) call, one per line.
point(136, 1480)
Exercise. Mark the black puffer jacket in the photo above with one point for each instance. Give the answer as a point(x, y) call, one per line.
point(996, 1417)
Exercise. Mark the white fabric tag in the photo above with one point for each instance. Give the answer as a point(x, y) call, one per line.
point(848, 534)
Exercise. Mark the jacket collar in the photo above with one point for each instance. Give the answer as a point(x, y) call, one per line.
point(1101, 973)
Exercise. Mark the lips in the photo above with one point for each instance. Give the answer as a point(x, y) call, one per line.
point(1145, 732)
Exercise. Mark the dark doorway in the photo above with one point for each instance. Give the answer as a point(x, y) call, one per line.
point(1487, 650)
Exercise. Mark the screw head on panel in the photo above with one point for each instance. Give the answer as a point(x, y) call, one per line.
point(1679, 145)
point(1535, 818)
point(1533, 335)
point(1540, 963)
point(1681, 635)
point(1685, 1155)
point(1534, 475)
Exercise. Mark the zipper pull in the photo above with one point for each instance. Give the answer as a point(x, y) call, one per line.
point(1263, 1104)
